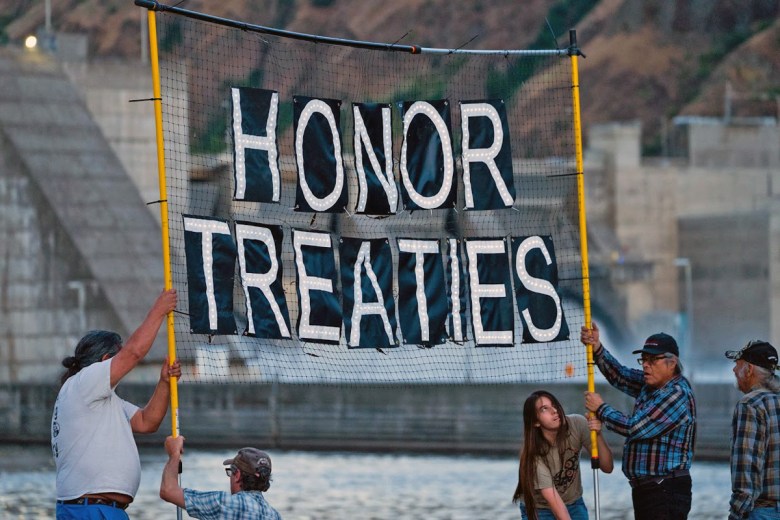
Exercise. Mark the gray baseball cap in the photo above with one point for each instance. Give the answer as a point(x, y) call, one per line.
point(250, 461)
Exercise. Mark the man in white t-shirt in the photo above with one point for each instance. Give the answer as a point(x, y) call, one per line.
point(98, 468)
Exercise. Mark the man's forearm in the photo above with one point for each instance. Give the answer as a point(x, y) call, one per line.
point(154, 411)
point(140, 342)
point(613, 419)
point(621, 377)
point(170, 491)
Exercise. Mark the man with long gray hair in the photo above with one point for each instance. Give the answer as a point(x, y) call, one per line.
point(755, 446)
point(98, 468)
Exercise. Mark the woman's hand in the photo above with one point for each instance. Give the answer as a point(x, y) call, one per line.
point(594, 424)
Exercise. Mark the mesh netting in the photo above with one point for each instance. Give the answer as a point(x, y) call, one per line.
point(201, 61)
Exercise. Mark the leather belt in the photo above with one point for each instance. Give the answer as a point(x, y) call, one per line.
point(642, 481)
point(94, 501)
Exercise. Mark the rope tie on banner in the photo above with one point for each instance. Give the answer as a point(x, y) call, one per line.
point(464, 44)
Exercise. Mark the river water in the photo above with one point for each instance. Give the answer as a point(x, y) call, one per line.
point(330, 486)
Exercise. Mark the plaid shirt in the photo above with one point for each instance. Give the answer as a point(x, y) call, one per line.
point(755, 453)
point(221, 505)
point(661, 431)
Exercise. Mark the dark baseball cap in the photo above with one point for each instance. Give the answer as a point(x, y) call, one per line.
point(660, 343)
point(250, 461)
point(756, 352)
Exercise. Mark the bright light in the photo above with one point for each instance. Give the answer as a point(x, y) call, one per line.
point(31, 42)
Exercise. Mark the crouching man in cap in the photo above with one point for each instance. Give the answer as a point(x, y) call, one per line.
point(755, 447)
point(660, 431)
point(250, 474)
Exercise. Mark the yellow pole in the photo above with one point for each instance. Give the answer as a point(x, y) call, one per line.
point(158, 125)
point(575, 92)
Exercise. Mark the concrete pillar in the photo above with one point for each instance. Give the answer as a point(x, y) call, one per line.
point(774, 271)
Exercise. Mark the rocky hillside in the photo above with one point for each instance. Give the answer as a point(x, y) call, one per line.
point(646, 59)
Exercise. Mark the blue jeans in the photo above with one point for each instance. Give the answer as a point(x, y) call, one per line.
point(765, 513)
point(577, 511)
point(90, 512)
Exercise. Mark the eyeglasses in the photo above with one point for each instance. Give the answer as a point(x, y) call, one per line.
point(230, 471)
point(651, 360)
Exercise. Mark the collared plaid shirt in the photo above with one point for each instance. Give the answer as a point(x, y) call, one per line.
point(755, 453)
point(221, 505)
point(661, 430)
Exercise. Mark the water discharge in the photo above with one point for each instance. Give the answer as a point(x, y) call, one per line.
point(325, 486)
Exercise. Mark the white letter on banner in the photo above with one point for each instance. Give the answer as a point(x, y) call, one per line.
point(325, 203)
point(360, 309)
point(420, 248)
point(483, 155)
point(457, 333)
point(539, 286)
point(478, 291)
point(207, 228)
point(385, 176)
point(262, 281)
point(255, 142)
point(306, 283)
point(434, 201)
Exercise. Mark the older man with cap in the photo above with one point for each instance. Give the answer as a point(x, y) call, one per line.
point(661, 430)
point(755, 446)
point(250, 474)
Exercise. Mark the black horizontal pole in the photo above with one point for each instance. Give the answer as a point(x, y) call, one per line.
point(153, 5)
